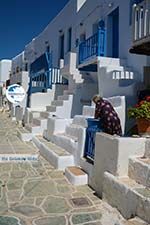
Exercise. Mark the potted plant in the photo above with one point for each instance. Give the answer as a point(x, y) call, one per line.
point(141, 112)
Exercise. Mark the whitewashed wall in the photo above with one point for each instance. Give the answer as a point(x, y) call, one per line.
point(82, 15)
point(5, 69)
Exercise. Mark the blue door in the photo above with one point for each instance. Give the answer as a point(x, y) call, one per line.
point(113, 33)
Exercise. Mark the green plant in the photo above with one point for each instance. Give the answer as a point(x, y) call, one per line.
point(141, 110)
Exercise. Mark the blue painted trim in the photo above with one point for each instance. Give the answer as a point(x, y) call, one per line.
point(93, 127)
point(41, 81)
point(93, 46)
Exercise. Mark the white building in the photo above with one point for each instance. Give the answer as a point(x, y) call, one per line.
point(88, 44)
point(62, 37)
point(5, 69)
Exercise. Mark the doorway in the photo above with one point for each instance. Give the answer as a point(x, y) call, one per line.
point(113, 33)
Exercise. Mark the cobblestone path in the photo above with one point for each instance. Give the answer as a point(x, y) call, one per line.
point(36, 194)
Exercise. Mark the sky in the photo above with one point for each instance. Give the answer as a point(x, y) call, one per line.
point(22, 20)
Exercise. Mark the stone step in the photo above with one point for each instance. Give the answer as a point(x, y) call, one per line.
point(73, 130)
point(76, 175)
point(24, 134)
point(67, 142)
point(129, 197)
point(139, 170)
point(57, 103)
point(51, 108)
point(42, 122)
point(34, 129)
point(58, 157)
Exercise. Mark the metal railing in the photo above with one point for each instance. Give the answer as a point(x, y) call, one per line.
point(43, 74)
point(93, 46)
point(40, 82)
point(94, 126)
point(141, 21)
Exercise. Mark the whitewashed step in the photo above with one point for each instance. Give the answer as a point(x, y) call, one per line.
point(129, 197)
point(42, 122)
point(51, 108)
point(80, 120)
point(35, 114)
point(106, 61)
point(76, 175)
point(45, 114)
point(118, 68)
point(66, 142)
point(63, 97)
point(139, 170)
point(67, 92)
point(73, 130)
point(35, 130)
point(58, 157)
point(57, 103)
point(24, 134)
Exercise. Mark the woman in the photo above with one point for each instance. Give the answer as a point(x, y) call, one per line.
point(108, 116)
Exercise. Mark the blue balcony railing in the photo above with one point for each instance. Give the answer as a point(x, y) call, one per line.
point(43, 74)
point(93, 46)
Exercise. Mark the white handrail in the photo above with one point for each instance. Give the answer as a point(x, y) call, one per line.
point(141, 21)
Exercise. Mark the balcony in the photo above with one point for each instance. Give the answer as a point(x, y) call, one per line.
point(91, 49)
point(43, 74)
point(141, 28)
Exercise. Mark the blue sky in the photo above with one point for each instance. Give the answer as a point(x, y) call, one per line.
point(21, 20)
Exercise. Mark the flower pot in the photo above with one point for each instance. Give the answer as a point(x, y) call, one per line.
point(143, 126)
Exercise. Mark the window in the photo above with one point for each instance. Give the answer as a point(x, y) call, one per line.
point(69, 39)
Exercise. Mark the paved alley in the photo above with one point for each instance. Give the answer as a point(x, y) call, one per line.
point(34, 193)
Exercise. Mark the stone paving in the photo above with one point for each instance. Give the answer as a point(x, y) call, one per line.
point(34, 193)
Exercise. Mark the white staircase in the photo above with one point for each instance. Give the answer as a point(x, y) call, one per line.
point(116, 78)
point(73, 137)
point(57, 156)
point(131, 194)
point(38, 119)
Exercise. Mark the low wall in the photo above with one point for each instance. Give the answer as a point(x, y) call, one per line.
point(41, 100)
point(111, 155)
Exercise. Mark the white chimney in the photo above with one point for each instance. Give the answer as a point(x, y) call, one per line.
point(80, 4)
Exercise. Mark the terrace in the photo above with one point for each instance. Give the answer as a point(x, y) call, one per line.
point(141, 28)
point(91, 49)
